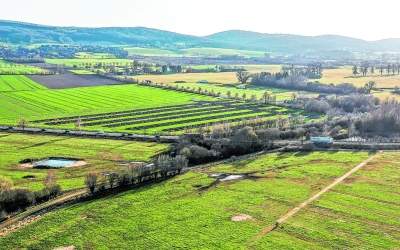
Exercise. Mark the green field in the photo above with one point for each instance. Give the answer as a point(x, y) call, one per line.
point(194, 52)
point(173, 119)
point(90, 55)
point(151, 52)
point(222, 52)
point(49, 103)
point(361, 213)
point(82, 62)
point(18, 83)
point(130, 108)
point(101, 155)
point(280, 94)
point(7, 68)
point(82, 72)
point(193, 211)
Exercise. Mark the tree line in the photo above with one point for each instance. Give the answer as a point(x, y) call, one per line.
point(14, 199)
point(367, 69)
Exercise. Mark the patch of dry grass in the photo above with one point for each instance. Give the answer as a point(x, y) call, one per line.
point(344, 74)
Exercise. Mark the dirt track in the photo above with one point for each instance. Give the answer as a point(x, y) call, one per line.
point(295, 210)
point(30, 214)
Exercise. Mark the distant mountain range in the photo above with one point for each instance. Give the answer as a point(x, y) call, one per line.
point(19, 33)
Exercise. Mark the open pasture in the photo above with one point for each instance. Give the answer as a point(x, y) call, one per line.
point(41, 104)
point(195, 210)
point(176, 118)
point(363, 211)
point(344, 75)
point(8, 68)
point(100, 155)
point(18, 83)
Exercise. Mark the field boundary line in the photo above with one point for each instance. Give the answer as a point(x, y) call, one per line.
point(316, 196)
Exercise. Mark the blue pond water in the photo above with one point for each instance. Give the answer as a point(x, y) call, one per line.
point(54, 163)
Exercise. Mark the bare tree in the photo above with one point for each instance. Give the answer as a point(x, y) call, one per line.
point(91, 181)
point(243, 76)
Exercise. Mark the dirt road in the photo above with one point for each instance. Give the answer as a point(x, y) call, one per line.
point(295, 210)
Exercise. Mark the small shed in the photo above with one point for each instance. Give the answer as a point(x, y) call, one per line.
point(324, 141)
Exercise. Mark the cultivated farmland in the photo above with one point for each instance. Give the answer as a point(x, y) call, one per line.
point(100, 155)
point(195, 210)
point(221, 77)
point(41, 104)
point(18, 83)
point(176, 118)
point(73, 79)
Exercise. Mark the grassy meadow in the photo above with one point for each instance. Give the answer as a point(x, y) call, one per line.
point(361, 213)
point(195, 211)
point(100, 155)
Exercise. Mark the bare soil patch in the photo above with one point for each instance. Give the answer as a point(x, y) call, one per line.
point(65, 248)
point(70, 80)
point(241, 217)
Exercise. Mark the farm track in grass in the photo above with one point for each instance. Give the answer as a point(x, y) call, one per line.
point(361, 212)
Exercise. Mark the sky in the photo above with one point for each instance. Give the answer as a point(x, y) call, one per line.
point(366, 19)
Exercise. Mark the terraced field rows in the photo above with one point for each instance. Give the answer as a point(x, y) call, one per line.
point(171, 118)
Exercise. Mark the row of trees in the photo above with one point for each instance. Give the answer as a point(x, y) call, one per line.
point(311, 71)
point(57, 51)
point(358, 103)
point(384, 121)
point(382, 69)
point(279, 80)
point(163, 167)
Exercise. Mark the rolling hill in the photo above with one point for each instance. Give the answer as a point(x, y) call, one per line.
point(19, 33)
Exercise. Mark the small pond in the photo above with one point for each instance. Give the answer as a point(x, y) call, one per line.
point(55, 163)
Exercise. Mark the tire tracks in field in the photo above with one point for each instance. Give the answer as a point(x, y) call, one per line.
point(295, 210)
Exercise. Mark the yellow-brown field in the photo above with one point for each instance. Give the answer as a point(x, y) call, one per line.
point(386, 95)
point(222, 78)
point(344, 74)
